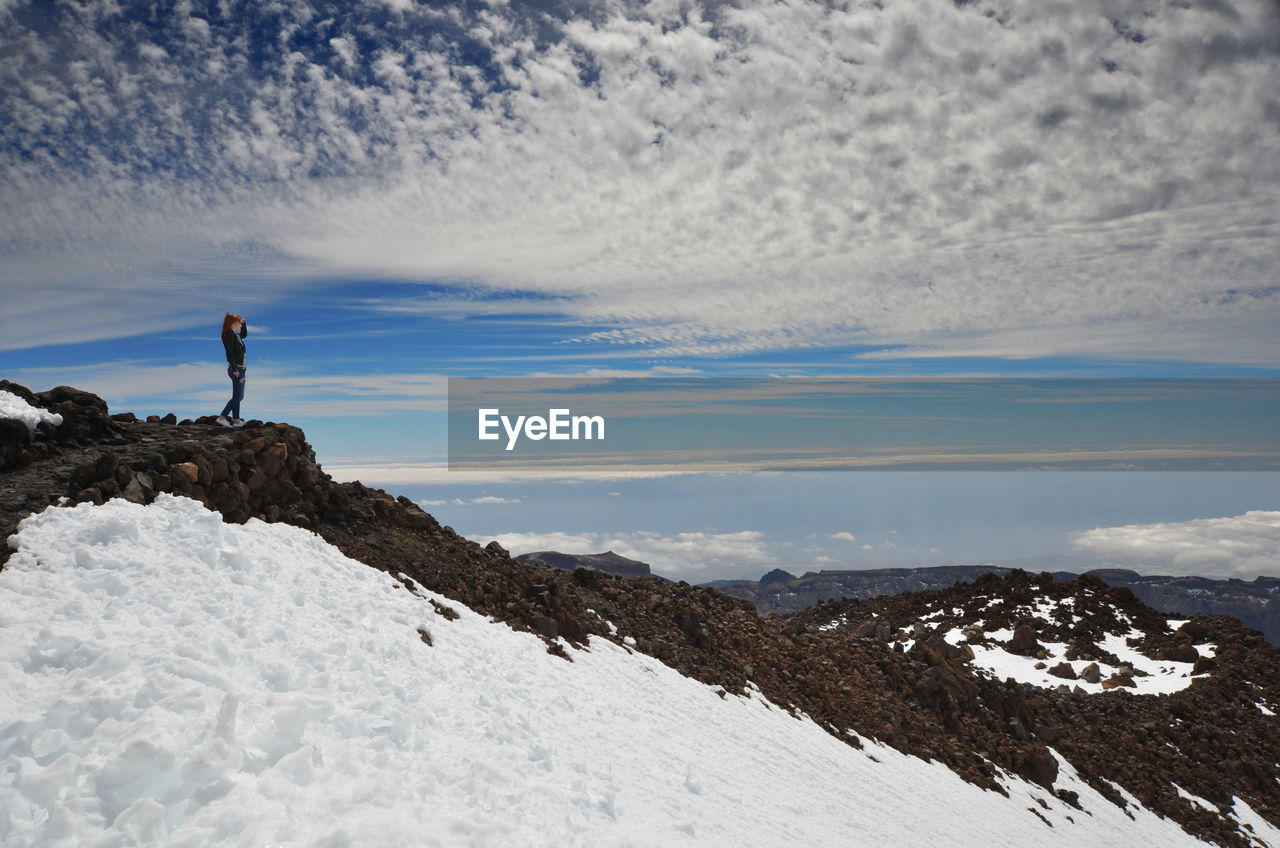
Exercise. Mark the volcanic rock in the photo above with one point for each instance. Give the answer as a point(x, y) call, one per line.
point(1063, 670)
point(1024, 641)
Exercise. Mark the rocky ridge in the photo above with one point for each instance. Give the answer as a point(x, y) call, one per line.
point(903, 670)
point(1255, 602)
point(782, 592)
point(607, 561)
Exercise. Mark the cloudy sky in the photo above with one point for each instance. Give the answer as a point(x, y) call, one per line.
point(395, 193)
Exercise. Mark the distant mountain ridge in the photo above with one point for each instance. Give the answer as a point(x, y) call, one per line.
point(782, 592)
point(1256, 602)
point(607, 561)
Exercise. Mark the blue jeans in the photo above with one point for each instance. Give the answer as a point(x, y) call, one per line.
point(237, 393)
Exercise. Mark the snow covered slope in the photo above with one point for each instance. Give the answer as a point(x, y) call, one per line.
point(166, 678)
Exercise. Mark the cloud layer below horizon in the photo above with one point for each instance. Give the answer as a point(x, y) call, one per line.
point(1243, 546)
point(992, 178)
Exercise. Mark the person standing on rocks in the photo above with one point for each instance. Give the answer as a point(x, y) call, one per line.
point(233, 332)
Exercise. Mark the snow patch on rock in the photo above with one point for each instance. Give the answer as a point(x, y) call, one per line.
point(14, 407)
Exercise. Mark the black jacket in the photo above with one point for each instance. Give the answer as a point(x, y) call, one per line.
point(235, 346)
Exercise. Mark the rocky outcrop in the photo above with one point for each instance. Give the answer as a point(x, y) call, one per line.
point(1215, 738)
point(860, 668)
point(84, 420)
point(1255, 602)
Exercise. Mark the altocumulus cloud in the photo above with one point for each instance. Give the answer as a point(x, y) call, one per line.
point(1007, 177)
point(1243, 546)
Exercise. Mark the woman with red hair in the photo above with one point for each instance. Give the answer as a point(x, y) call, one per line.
point(233, 332)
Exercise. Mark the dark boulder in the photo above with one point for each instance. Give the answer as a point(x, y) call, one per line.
point(1063, 670)
point(1024, 642)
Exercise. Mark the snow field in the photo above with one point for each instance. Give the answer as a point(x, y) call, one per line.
point(12, 406)
point(167, 679)
point(1161, 676)
point(1164, 676)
